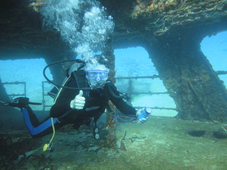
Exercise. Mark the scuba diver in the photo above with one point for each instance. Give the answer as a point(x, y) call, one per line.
point(83, 98)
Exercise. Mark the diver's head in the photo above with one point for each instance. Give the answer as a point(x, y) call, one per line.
point(97, 76)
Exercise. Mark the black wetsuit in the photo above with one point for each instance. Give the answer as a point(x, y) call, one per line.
point(96, 103)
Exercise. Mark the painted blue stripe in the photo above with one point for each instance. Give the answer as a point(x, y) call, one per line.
point(36, 130)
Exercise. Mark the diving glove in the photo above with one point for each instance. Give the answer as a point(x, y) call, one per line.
point(79, 101)
point(143, 114)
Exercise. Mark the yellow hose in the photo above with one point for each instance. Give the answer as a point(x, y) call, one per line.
point(48, 145)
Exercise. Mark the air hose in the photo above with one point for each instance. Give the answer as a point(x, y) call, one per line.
point(64, 61)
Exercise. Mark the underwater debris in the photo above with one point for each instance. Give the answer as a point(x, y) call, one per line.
point(134, 138)
point(124, 136)
point(96, 150)
point(197, 133)
point(41, 161)
point(122, 146)
point(220, 134)
point(16, 151)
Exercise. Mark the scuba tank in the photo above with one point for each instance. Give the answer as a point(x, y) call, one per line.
point(76, 70)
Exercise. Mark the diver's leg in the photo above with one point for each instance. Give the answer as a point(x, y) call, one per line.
point(37, 129)
point(34, 120)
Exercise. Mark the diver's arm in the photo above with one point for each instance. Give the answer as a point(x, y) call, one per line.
point(120, 103)
point(124, 107)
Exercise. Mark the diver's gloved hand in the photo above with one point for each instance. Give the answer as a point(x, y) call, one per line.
point(142, 114)
point(79, 101)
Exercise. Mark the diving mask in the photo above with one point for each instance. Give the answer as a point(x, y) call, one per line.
point(97, 78)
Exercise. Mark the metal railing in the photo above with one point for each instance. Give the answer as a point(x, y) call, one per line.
point(12, 95)
point(24, 90)
point(130, 86)
point(44, 94)
point(24, 94)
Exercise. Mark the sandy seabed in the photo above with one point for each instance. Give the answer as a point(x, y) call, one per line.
point(159, 143)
